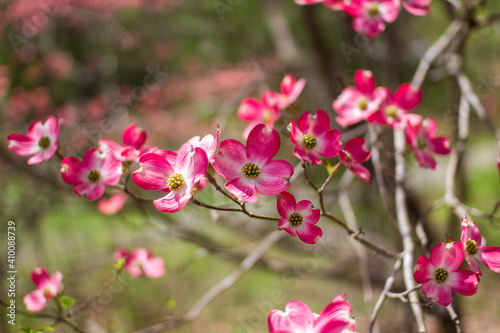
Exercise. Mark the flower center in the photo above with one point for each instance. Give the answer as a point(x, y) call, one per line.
point(391, 111)
point(349, 156)
point(94, 176)
point(44, 142)
point(309, 141)
point(296, 219)
point(175, 181)
point(471, 247)
point(422, 143)
point(363, 104)
point(373, 10)
point(441, 275)
point(250, 170)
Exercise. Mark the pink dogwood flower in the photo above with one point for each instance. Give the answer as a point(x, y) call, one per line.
point(440, 274)
point(141, 261)
point(290, 90)
point(314, 138)
point(251, 170)
point(354, 153)
point(41, 141)
point(256, 112)
point(422, 138)
point(370, 16)
point(91, 175)
point(208, 143)
point(471, 242)
point(268, 110)
point(47, 288)
point(298, 318)
point(173, 173)
point(394, 109)
point(417, 7)
point(133, 144)
point(299, 218)
point(358, 103)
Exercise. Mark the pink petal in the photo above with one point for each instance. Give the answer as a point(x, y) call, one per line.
point(329, 144)
point(35, 301)
point(36, 130)
point(92, 191)
point(191, 162)
point(338, 310)
point(286, 204)
point(40, 276)
point(297, 317)
point(243, 189)
point(107, 144)
point(230, 160)
point(490, 257)
point(43, 155)
point(173, 201)
point(274, 177)
point(250, 109)
point(284, 224)
point(262, 144)
point(134, 137)
point(154, 268)
point(441, 145)
point(365, 81)
point(357, 148)
point(423, 270)
point(309, 233)
point(72, 171)
point(22, 145)
point(407, 97)
point(361, 172)
point(425, 159)
point(111, 169)
point(112, 205)
point(447, 255)
point(463, 281)
point(153, 173)
point(309, 213)
point(437, 292)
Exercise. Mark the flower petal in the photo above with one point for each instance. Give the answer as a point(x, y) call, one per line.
point(274, 177)
point(262, 144)
point(243, 189)
point(230, 160)
point(438, 292)
point(286, 204)
point(463, 281)
point(153, 173)
point(297, 318)
point(490, 257)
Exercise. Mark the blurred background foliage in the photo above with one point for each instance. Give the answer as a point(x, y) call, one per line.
point(91, 63)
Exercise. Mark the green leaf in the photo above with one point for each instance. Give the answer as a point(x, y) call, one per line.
point(66, 301)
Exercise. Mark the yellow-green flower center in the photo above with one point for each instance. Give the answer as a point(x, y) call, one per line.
point(309, 141)
point(44, 142)
point(422, 143)
point(471, 247)
point(391, 111)
point(373, 10)
point(175, 181)
point(250, 170)
point(363, 104)
point(441, 275)
point(296, 219)
point(94, 176)
point(349, 156)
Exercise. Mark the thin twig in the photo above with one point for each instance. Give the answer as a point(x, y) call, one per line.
point(220, 287)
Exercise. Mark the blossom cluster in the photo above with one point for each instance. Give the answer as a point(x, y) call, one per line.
point(370, 16)
point(379, 106)
point(439, 273)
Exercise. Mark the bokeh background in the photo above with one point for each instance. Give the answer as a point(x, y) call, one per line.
point(90, 62)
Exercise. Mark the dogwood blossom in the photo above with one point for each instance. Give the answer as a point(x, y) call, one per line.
point(422, 138)
point(353, 154)
point(173, 173)
point(358, 103)
point(141, 261)
point(471, 241)
point(298, 318)
point(47, 288)
point(314, 138)
point(298, 218)
point(90, 176)
point(41, 141)
point(439, 274)
point(133, 144)
point(251, 169)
